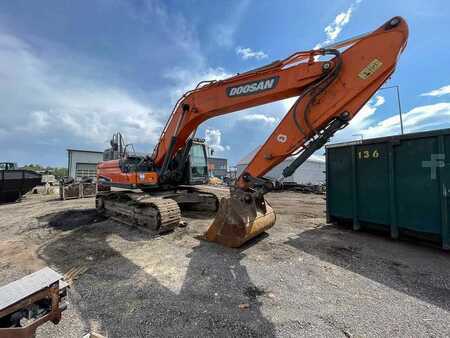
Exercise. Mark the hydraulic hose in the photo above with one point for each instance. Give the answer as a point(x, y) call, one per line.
point(316, 89)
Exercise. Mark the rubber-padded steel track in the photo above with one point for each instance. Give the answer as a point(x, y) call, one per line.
point(155, 215)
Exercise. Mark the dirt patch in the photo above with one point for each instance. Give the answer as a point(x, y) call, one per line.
point(323, 280)
point(343, 252)
point(253, 292)
point(14, 253)
point(69, 219)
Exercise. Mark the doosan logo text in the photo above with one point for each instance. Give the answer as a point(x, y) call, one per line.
point(253, 87)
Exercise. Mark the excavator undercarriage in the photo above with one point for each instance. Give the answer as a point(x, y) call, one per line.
point(159, 212)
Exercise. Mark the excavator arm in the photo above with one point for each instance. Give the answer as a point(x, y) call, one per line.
point(328, 98)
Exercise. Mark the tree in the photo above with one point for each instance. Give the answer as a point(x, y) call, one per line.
point(57, 171)
point(60, 172)
point(34, 167)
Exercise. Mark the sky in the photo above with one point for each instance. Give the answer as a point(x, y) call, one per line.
point(74, 72)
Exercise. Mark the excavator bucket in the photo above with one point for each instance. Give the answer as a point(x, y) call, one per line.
point(239, 219)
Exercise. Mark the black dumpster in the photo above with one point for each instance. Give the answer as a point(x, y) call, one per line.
point(16, 182)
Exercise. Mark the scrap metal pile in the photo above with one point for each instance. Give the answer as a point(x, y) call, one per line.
point(69, 189)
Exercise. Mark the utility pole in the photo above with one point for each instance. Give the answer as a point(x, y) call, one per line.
point(397, 88)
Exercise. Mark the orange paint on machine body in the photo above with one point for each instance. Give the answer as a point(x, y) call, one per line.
point(111, 171)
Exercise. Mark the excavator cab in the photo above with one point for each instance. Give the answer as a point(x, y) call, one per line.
point(117, 150)
point(197, 166)
point(194, 171)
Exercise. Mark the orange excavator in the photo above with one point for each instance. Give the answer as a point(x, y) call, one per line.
point(332, 84)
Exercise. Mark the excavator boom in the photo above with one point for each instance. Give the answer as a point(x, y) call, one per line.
point(326, 88)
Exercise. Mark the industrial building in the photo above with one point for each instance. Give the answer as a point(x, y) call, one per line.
point(83, 163)
point(310, 172)
point(217, 167)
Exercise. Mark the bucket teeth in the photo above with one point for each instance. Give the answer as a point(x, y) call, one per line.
point(239, 219)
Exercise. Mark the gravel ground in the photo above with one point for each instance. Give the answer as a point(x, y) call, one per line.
point(305, 278)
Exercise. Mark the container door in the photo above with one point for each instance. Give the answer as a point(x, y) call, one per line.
point(339, 182)
point(417, 185)
point(372, 183)
point(85, 170)
point(445, 185)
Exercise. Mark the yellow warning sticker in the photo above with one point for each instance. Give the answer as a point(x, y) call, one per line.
point(371, 68)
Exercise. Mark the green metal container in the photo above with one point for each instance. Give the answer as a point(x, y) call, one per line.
point(397, 183)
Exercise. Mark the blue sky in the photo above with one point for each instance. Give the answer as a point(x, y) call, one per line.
point(74, 72)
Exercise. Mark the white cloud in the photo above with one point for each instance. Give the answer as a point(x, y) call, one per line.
point(363, 117)
point(213, 138)
point(362, 120)
point(42, 105)
point(317, 158)
point(379, 100)
point(288, 103)
point(438, 92)
point(334, 29)
point(259, 118)
point(186, 79)
point(417, 119)
point(248, 53)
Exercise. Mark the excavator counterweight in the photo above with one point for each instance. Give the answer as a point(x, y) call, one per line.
point(331, 85)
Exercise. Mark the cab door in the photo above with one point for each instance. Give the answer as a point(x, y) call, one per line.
point(198, 164)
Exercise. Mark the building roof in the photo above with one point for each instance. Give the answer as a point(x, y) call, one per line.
point(392, 138)
point(84, 151)
point(247, 158)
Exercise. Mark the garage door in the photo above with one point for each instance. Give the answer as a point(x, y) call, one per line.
point(85, 170)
